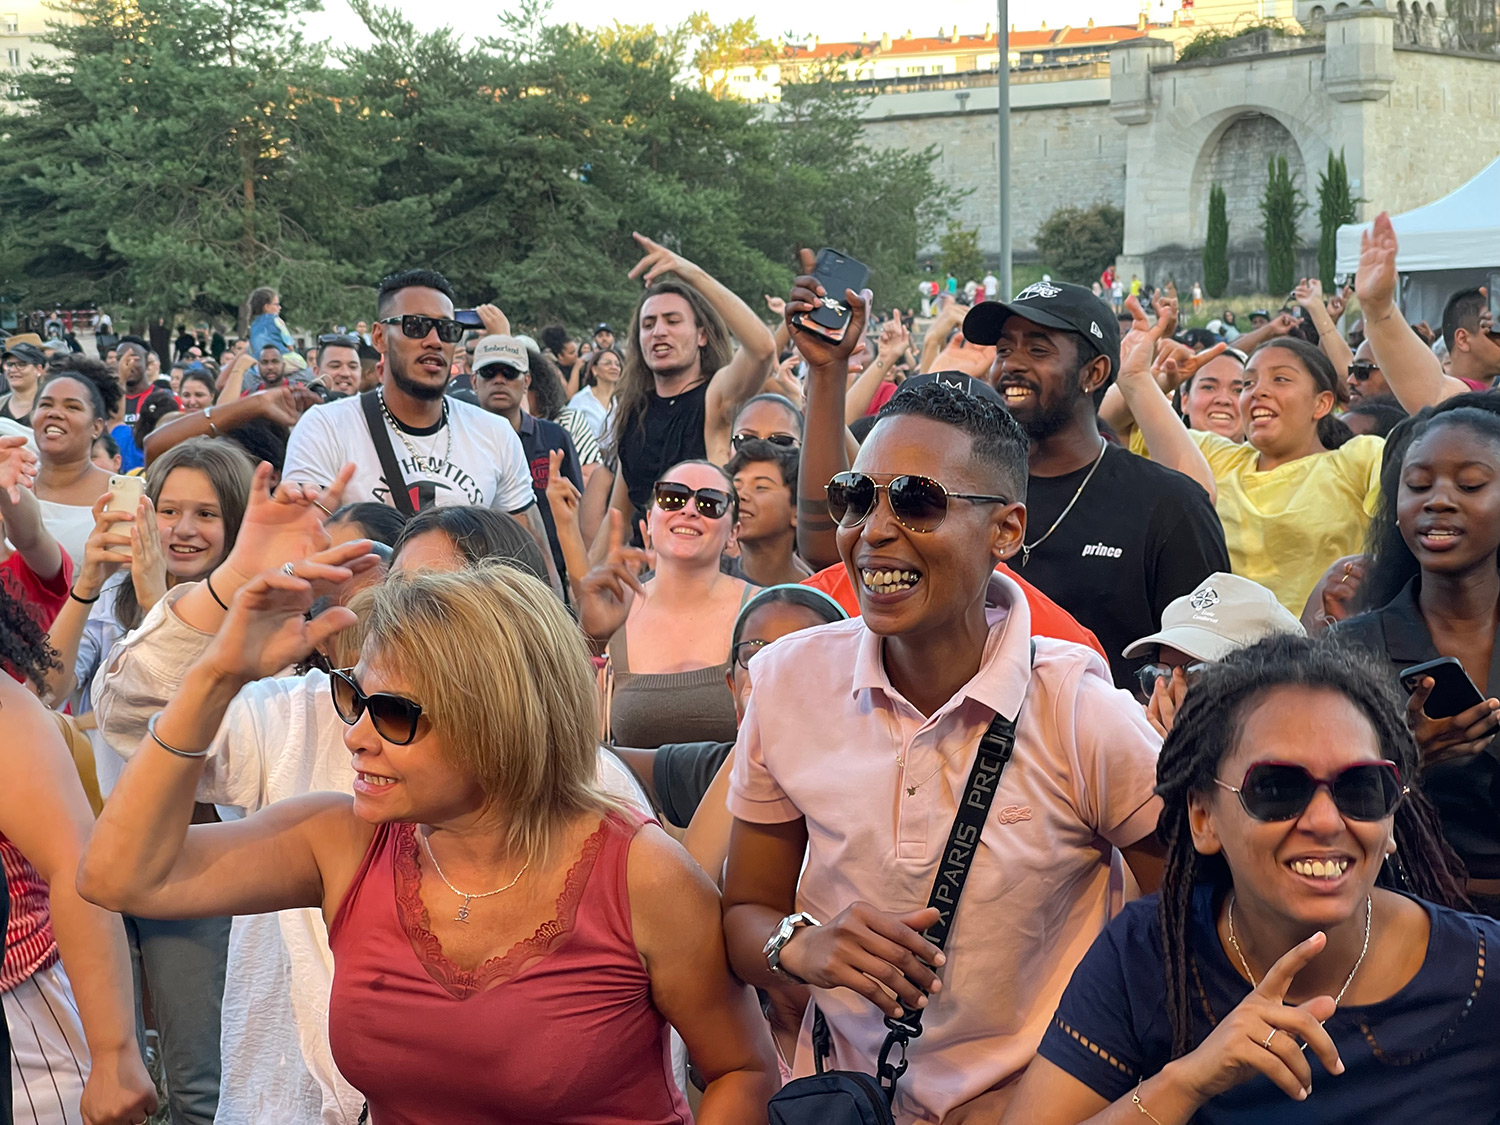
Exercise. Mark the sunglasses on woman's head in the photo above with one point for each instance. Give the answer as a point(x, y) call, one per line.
point(786, 441)
point(711, 503)
point(394, 717)
point(1277, 791)
point(919, 504)
point(1361, 372)
point(416, 327)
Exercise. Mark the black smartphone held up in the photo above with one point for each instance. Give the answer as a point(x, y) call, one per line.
point(469, 318)
point(1452, 690)
point(835, 273)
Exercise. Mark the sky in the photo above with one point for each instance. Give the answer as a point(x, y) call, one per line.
point(772, 17)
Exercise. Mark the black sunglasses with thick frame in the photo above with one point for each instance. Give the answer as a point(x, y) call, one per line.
point(416, 327)
point(394, 717)
point(1360, 372)
point(786, 441)
point(1274, 791)
point(920, 504)
point(712, 503)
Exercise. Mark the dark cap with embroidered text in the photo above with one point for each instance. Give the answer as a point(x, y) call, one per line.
point(1052, 304)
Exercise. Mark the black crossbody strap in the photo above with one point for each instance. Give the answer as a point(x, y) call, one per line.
point(995, 748)
point(389, 468)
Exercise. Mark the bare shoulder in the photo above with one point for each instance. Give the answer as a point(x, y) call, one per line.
point(660, 866)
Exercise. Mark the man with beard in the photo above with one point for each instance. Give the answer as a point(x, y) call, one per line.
point(1111, 537)
point(445, 451)
point(337, 366)
point(683, 379)
point(139, 390)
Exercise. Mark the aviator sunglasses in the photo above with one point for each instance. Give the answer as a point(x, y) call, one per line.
point(394, 717)
point(711, 503)
point(919, 504)
point(1273, 791)
point(416, 327)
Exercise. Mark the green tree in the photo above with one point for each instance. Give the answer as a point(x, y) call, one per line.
point(958, 253)
point(1216, 245)
point(1335, 208)
point(1280, 208)
point(1076, 243)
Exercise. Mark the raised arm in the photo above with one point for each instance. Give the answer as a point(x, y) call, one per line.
point(1309, 293)
point(1409, 366)
point(824, 452)
point(22, 515)
point(743, 375)
point(44, 813)
point(949, 316)
point(100, 560)
point(145, 858)
point(234, 380)
point(894, 340)
point(284, 404)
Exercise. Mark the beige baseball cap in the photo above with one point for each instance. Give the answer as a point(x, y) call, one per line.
point(1225, 613)
point(500, 349)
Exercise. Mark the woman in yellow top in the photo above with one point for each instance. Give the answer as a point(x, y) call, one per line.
point(1292, 498)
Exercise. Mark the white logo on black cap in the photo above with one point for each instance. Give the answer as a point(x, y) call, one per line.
point(1094, 328)
point(1040, 289)
point(1204, 598)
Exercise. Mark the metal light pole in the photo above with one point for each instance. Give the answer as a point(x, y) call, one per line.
point(1002, 147)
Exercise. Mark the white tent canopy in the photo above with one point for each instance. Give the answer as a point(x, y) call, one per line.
point(1459, 231)
point(1444, 246)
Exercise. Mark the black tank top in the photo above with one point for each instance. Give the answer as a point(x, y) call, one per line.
point(671, 431)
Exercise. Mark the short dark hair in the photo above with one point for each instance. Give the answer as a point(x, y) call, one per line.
point(1461, 311)
point(999, 442)
point(263, 439)
point(779, 400)
point(1384, 411)
point(754, 450)
point(554, 338)
point(111, 446)
point(477, 534)
point(379, 522)
point(393, 283)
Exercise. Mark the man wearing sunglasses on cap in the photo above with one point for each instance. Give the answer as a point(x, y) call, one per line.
point(1111, 537)
point(502, 376)
point(857, 745)
point(444, 450)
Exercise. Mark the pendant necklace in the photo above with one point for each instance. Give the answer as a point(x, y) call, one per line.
point(463, 911)
point(1027, 548)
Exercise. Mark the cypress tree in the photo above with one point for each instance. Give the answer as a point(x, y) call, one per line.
point(1280, 207)
point(1335, 208)
point(1216, 247)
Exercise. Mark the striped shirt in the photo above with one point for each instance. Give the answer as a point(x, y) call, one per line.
point(29, 944)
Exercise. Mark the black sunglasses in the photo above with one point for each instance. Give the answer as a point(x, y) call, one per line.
point(745, 650)
point(1361, 371)
point(394, 717)
point(416, 327)
point(919, 504)
point(499, 370)
point(786, 441)
point(711, 503)
point(1273, 791)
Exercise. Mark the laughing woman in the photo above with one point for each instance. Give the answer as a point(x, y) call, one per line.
point(506, 938)
point(1285, 971)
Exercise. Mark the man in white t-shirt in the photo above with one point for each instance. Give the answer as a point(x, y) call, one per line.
point(991, 287)
point(447, 451)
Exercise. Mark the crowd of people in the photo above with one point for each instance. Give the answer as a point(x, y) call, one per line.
point(1046, 713)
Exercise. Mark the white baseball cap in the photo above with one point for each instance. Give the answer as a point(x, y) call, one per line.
point(1225, 613)
point(500, 349)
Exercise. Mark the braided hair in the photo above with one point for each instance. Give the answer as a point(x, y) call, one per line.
point(1207, 729)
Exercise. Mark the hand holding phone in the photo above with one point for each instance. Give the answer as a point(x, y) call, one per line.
point(837, 274)
point(1452, 690)
point(124, 496)
point(807, 296)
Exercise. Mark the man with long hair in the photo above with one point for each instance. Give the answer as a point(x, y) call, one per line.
point(683, 380)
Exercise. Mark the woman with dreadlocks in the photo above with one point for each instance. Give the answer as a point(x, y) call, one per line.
point(1305, 959)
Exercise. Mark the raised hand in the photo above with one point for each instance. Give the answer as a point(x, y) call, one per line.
point(1283, 324)
point(776, 305)
point(1177, 363)
point(879, 955)
point(1138, 347)
point(18, 466)
point(605, 593)
point(657, 261)
point(148, 566)
point(1166, 700)
point(562, 496)
point(495, 322)
point(266, 628)
point(1309, 293)
point(1165, 304)
point(806, 297)
point(284, 404)
point(1375, 281)
point(1333, 597)
point(1243, 1044)
point(1458, 736)
point(280, 528)
point(894, 338)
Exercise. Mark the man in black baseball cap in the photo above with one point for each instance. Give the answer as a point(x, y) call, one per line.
point(23, 365)
point(604, 336)
point(1111, 537)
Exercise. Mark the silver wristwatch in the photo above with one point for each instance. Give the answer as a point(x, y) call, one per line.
point(778, 941)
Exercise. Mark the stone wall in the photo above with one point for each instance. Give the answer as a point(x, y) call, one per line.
point(1068, 155)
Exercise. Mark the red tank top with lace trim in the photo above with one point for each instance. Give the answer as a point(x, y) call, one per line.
point(560, 1029)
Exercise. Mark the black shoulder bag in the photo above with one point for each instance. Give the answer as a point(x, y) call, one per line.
point(400, 495)
point(851, 1097)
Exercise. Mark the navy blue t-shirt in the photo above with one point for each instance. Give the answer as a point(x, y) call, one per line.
point(1429, 1053)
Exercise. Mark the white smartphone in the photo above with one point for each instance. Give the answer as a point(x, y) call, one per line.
point(124, 496)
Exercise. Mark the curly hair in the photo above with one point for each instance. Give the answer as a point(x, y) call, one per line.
point(1207, 729)
point(24, 651)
